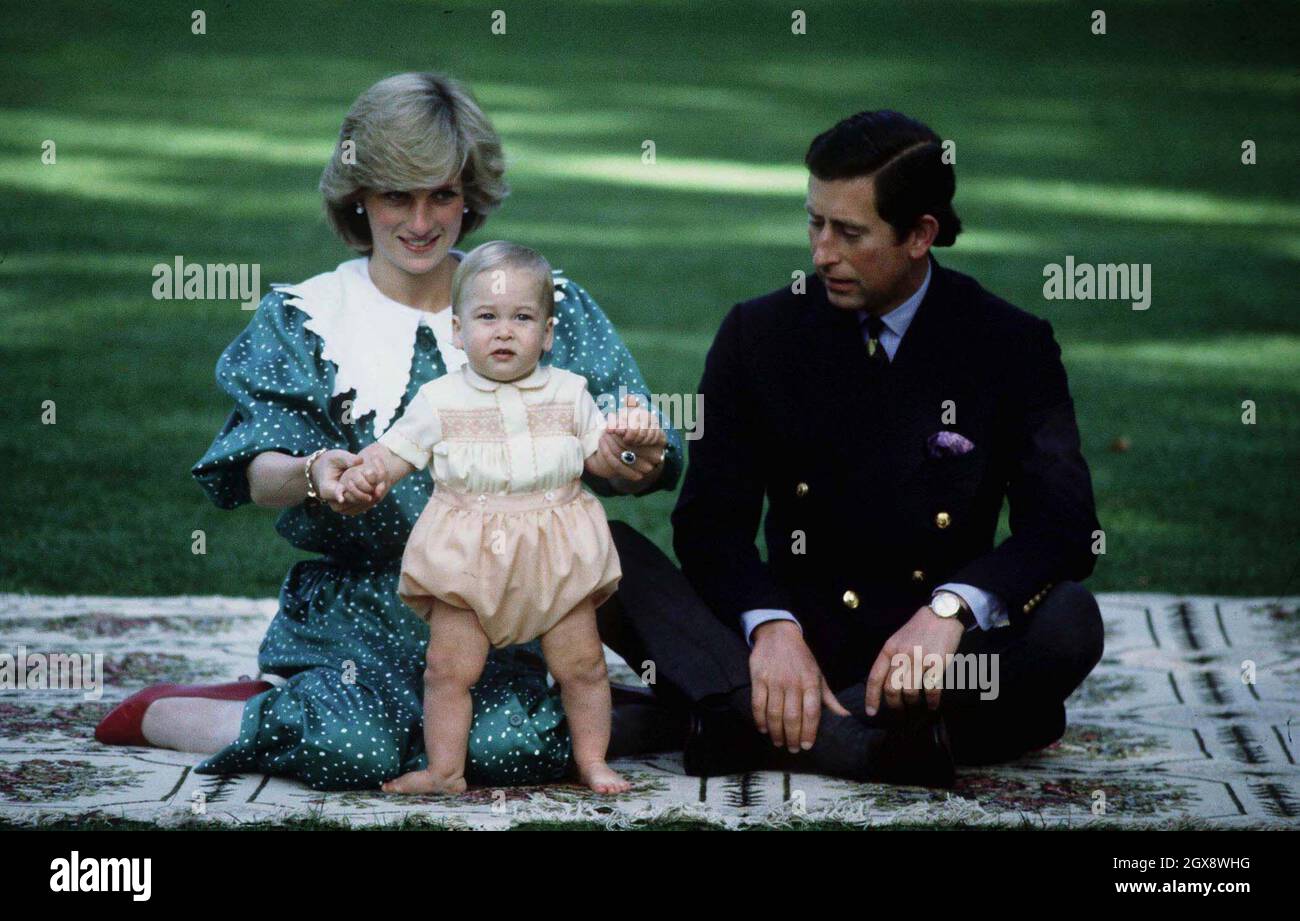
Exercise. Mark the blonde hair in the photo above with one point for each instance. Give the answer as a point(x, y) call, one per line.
point(413, 131)
point(501, 253)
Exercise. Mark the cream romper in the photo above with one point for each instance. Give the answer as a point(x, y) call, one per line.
point(508, 532)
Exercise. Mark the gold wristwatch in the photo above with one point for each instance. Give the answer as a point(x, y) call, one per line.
point(949, 604)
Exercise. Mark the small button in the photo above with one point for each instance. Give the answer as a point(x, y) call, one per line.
point(516, 720)
point(550, 497)
point(918, 575)
point(850, 600)
point(801, 490)
point(482, 499)
point(942, 520)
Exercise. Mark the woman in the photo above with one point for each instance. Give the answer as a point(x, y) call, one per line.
point(321, 371)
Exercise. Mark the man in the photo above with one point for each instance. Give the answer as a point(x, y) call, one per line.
point(885, 409)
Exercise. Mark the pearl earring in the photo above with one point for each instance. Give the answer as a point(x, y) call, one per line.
point(466, 210)
point(360, 210)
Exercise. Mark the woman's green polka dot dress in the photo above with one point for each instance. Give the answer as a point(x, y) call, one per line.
point(349, 714)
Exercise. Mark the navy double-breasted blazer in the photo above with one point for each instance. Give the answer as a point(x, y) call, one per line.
point(862, 524)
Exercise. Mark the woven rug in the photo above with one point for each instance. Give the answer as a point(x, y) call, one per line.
point(1192, 716)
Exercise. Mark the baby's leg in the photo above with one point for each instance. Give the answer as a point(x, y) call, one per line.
point(458, 649)
point(577, 660)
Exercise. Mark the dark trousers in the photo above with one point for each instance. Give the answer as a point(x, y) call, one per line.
point(657, 621)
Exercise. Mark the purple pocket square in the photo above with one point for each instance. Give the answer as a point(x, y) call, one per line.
point(948, 444)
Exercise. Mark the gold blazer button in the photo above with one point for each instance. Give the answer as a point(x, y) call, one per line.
point(942, 520)
point(850, 600)
point(801, 490)
point(918, 575)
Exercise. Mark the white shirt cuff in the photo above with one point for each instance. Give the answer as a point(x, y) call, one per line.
point(752, 620)
point(989, 610)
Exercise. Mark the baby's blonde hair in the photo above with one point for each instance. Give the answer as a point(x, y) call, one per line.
point(499, 254)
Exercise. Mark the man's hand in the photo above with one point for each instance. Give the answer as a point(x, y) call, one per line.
point(934, 635)
point(788, 688)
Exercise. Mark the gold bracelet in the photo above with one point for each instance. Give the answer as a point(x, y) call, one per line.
point(306, 470)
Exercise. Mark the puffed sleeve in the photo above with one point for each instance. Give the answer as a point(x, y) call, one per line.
point(281, 390)
point(587, 344)
point(590, 422)
point(413, 436)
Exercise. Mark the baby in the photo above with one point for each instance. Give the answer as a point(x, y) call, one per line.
point(510, 547)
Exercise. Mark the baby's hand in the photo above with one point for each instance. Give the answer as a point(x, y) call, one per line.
point(360, 483)
point(635, 426)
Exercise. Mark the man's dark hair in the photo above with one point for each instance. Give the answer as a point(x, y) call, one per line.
point(906, 159)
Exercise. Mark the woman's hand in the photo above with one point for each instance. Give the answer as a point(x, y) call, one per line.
point(599, 465)
point(327, 473)
point(367, 479)
point(633, 429)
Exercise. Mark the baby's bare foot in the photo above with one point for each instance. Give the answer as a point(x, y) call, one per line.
point(425, 782)
point(602, 778)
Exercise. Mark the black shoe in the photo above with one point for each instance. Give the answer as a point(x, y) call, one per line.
point(631, 694)
point(642, 724)
point(917, 753)
point(720, 743)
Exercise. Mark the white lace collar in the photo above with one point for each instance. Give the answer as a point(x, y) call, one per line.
point(368, 336)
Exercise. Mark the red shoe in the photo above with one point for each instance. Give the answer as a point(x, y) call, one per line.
point(122, 725)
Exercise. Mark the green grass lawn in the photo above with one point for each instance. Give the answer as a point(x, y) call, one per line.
point(1123, 147)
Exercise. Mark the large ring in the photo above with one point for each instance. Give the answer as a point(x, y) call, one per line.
point(628, 457)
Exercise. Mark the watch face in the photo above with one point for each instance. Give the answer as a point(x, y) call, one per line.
point(945, 605)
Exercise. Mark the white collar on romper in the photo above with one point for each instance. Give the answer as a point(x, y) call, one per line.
point(530, 381)
point(368, 336)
